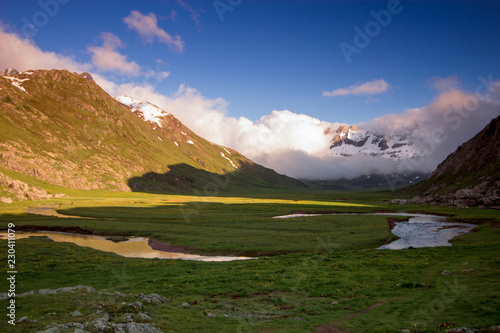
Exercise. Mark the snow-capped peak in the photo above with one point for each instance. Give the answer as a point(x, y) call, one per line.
point(350, 141)
point(145, 110)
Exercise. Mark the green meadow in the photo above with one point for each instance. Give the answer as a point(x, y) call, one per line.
point(311, 274)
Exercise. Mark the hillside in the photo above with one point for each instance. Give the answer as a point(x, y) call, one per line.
point(468, 177)
point(61, 128)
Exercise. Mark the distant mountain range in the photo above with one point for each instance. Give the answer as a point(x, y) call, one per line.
point(351, 141)
point(60, 128)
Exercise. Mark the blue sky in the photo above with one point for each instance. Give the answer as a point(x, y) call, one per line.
point(274, 79)
point(276, 55)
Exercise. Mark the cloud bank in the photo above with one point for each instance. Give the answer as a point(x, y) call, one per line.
point(291, 143)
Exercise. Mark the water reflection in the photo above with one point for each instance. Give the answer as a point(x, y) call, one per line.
point(421, 230)
point(134, 247)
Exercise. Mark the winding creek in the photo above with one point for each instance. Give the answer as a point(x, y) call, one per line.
point(421, 230)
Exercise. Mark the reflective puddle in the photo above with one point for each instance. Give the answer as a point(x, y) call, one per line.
point(134, 247)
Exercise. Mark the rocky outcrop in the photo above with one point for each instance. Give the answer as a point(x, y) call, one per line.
point(470, 176)
point(17, 190)
point(9, 71)
point(127, 314)
point(482, 195)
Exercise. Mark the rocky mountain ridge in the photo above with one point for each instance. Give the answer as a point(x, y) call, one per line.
point(351, 141)
point(468, 177)
point(62, 128)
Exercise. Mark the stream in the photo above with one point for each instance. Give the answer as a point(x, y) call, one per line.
point(421, 230)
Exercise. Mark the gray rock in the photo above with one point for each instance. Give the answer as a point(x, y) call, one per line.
point(467, 270)
point(101, 323)
point(152, 299)
point(9, 71)
point(73, 325)
point(445, 272)
point(185, 305)
point(398, 201)
point(460, 330)
point(46, 291)
point(465, 193)
point(211, 315)
point(144, 316)
point(461, 204)
point(128, 317)
point(481, 188)
point(23, 319)
point(136, 305)
point(141, 328)
point(54, 329)
point(87, 76)
point(75, 314)
point(334, 302)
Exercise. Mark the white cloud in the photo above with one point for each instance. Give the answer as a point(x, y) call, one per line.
point(23, 54)
point(106, 59)
point(369, 88)
point(452, 118)
point(147, 27)
point(444, 83)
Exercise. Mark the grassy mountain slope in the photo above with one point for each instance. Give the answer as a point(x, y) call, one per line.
point(62, 128)
point(470, 176)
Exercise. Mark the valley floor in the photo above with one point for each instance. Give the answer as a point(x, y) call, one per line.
point(313, 274)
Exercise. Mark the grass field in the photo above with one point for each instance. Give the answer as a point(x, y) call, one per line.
point(320, 273)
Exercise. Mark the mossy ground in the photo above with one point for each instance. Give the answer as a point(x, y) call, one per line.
point(312, 274)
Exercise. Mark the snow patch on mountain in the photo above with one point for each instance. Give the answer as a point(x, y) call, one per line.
point(227, 158)
point(17, 82)
point(145, 110)
point(351, 141)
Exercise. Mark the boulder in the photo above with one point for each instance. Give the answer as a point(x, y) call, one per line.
point(398, 201)
point(6, 200)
